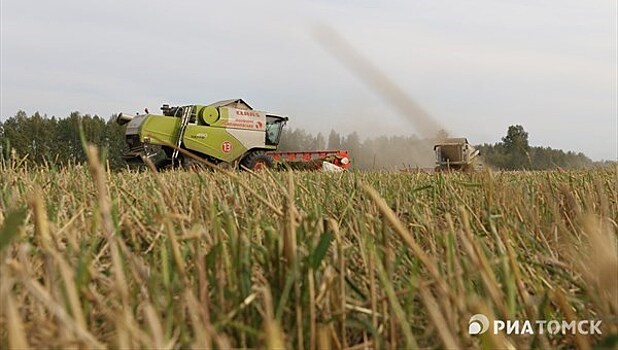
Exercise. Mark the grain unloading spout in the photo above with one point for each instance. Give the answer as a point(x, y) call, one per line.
point(124, 118)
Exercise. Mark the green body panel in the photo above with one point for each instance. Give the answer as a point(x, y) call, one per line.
point(158, 127)
point(211, 140)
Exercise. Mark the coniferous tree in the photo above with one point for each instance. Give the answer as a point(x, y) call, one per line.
point(334, 140)
point(517, 147)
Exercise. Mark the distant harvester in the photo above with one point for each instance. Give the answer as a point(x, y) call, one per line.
point(455, 154)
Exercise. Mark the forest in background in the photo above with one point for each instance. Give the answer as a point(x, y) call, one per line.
point(57, 141)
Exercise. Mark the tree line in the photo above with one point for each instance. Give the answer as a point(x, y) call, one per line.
point(514, 152)
point(42, 139)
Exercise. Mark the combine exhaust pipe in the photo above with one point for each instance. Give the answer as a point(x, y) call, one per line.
point(124, 118)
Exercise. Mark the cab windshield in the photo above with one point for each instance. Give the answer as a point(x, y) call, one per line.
point(273, 129)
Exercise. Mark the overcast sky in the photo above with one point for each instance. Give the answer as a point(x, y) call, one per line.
point(475, 66)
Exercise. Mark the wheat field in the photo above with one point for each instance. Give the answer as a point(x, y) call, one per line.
point(302, 260)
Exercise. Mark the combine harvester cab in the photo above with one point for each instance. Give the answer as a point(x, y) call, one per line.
point(324, 160)
point(455, 154)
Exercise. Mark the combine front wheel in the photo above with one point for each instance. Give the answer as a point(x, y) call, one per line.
point(257, 161)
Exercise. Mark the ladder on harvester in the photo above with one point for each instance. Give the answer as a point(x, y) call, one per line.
point(186, 116)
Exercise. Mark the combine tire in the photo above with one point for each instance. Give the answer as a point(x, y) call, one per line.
point(163, 164)
point(166, 164)
point(257, 161)
point(193, 165)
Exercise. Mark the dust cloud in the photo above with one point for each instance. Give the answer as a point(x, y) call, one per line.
point(428, 127)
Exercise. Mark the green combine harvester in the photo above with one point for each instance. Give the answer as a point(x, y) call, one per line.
point(228, 133)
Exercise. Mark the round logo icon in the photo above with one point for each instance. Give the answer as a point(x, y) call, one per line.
point(478, 324)
point(226, 146)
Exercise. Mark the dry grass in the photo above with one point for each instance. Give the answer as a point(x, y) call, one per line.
point(96, 259)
